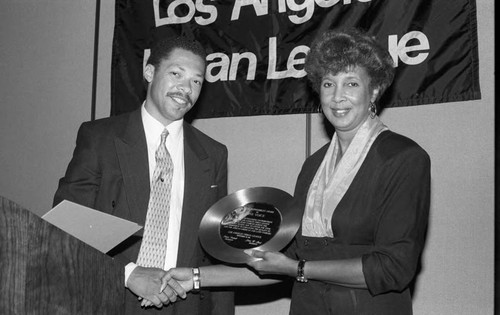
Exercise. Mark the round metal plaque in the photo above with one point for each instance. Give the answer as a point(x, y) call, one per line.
point(261, 218)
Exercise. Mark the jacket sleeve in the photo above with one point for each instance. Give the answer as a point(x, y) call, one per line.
point(81, 181)
point(222, 300)
point(404, 193)
point(221, 176)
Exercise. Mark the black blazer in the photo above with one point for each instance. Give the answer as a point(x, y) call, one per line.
point(382, 218)
point(109, 172)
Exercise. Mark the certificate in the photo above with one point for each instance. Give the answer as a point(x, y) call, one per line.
point(96, 228)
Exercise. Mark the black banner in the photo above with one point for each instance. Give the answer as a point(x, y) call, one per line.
point(256, 50)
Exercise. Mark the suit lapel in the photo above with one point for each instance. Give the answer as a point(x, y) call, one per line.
point(131, 149)
point(197, 182)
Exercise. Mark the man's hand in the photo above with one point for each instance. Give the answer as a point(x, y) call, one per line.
point(146, 283)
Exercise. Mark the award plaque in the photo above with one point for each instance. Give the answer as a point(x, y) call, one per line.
point(261, 218)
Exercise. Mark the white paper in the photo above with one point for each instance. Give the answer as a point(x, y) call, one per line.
point(96, 228)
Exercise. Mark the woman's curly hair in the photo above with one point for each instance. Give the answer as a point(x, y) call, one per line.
point(335, 51)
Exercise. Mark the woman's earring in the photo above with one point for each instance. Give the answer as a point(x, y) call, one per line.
point(320, 109)
point(373, 110)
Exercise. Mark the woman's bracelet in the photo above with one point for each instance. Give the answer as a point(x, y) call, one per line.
point(300, 271)
point(196, 279)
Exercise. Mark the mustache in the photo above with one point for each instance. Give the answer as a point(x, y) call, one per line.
point(181, 95)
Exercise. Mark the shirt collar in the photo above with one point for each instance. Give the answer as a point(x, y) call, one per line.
point(153, 128)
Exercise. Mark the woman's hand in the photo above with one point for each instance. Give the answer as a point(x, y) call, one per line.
point(175, 283)
point(272, 263)
point(180, 280)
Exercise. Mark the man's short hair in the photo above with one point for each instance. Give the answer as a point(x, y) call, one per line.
point(162, 48)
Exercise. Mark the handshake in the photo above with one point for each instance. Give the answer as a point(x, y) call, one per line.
point(157, 287)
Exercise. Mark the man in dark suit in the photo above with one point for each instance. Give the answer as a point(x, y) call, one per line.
point(113, 165)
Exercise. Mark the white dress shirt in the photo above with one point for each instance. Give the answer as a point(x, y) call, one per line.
point(175, 146)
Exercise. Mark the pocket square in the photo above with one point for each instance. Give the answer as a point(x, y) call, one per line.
point(213, 186)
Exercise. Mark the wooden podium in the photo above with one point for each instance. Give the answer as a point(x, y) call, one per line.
point(44, 270)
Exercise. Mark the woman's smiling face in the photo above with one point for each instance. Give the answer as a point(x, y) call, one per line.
point(345, 98)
